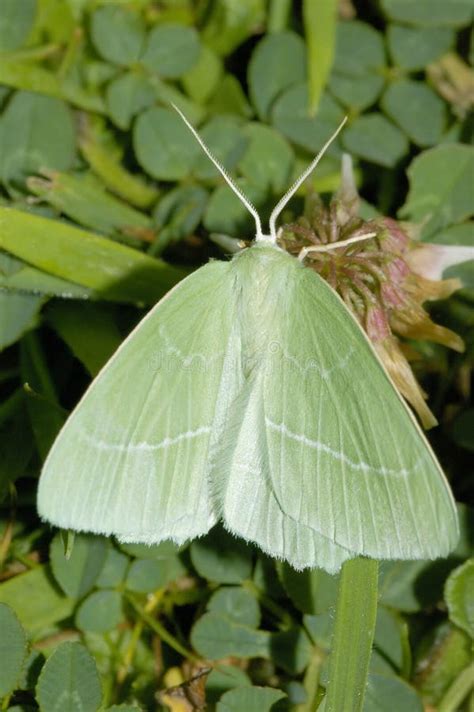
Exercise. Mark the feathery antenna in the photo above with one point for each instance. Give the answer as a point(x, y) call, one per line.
point(248, 204)
point(291, 191)
point(259, 236)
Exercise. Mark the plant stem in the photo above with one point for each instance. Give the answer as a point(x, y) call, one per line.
point(278, 14)
point(156, 626)
point(356, 611)
point(458, 691)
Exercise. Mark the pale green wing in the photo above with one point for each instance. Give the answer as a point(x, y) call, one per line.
point(249, 506)
point(131, 459)
point(340, 454)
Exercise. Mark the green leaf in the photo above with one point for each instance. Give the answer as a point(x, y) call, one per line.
point(123, 708)
point(113, 570)
point(222, 678)
point(16, 21)
point(459, 596)
point(215, 636)
point(440, 187)
point(16, 437)
point(178, 214)
point(36, 599)
point(163, 550)
point(388, 643)
point(13, 649)
point(320, 23)
point(228, 23)
point(171, 50)
point(250, 699)
point(229, 98)
point(164, 146)
point(413, 48)
point(69, 681)
point(418, 111)
point(84, 198)
point(88, 329)
point(443, 655)
point(18, 313)
point(291, 649)
point(312, 591)
point(462, 234)
point(80, 256)
point(429, 13)
point(397, 585)
point(126, 96)
point(78, 574)
point(238, 604)
point(225, 213)
point(147, 575)
point(373, 138)
point(46, 415)
point(359, 64)
point(35, 132)
point(290, 116)
point(201, 81)
point(390, 694)
point(221, 557)
point(118, 34)
point(268, 159)
point(100, 611)
point(227, 142)
point(277, 62)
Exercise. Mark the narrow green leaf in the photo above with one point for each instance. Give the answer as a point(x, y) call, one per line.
point(13, 649)
point(319, 20)
point(69, 681)
point(84, 198)
point(103, 154)
point(116, 271)
point(354, 630)
point(202, 79)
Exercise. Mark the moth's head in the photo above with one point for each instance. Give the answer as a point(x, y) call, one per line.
point(260, 236)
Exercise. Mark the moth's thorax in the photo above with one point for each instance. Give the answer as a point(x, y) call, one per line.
point(264, 278)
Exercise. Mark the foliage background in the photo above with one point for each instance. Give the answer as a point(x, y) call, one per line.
point(87, 139)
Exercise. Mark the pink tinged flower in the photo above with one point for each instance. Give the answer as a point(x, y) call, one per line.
point(430, 261)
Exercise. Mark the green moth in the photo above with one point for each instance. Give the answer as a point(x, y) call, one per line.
point(250, 395)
